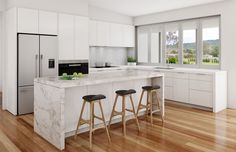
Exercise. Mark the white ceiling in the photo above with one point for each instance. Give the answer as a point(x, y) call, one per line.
point(142, 7)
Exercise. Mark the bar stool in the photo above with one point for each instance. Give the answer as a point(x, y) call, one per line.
point(151, 90)
point(124, 94)
point(92, 99)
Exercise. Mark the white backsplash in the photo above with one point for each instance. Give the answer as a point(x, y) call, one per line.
point(115, 55)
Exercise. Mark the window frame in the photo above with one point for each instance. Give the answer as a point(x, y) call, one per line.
point(199, 43)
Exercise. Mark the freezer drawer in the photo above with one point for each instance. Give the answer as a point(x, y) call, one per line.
point(25, 100)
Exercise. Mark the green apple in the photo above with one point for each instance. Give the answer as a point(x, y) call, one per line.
point(75, 74)
point(80, 74)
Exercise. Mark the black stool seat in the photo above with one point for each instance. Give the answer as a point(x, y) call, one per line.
point(125, 92)
point(94, 97)
point(150, 88)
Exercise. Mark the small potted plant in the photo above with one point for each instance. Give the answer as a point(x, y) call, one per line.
point(131, 61)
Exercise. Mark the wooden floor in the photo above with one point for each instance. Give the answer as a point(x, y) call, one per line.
point(185, 129)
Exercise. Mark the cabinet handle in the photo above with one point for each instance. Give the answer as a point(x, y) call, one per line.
point(201, 74)
point(181, 72)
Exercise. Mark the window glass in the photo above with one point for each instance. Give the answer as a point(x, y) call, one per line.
point(155, 45)
point(211, 42)
point(172, 44)
point(189, 43)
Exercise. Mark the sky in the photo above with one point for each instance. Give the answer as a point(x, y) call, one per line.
point(189, 36)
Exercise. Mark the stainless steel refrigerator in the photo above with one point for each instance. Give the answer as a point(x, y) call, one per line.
point(37, 57)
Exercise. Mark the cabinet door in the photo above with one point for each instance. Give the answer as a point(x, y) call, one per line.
point(129, 36)
point(48, 23)
point(92, 33)
point(66, 37)
point(201, 98)
point(169, 92)
point(115, 35)
point(28, 20)
point(81, 38)
point(102, 34)
point(143, 45)
point(181, 90)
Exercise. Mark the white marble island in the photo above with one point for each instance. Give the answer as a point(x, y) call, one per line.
point(57, 103)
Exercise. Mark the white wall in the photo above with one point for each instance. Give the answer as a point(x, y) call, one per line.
point(79, 7)
point(96, 13)
point(227, 10)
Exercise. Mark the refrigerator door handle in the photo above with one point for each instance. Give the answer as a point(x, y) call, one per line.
point(41, 64)
point(36, 65)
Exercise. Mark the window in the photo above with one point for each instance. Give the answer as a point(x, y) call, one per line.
point(211, 42)
point(172, 45)
point(189, 43)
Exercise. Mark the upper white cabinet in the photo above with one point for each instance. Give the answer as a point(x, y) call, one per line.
point(92, 33)
point(66, 37)
point(73, 37)
point(81, 38)
point(111, 34)
point(116, 35)
point(102, 36)
point(37, 22)
point(129, 35)
point(28, 20)
point(48, 22)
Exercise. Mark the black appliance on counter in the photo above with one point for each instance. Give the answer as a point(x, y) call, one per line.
point(72, 67)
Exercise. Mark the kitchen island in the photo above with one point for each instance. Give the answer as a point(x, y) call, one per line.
point(57, 103)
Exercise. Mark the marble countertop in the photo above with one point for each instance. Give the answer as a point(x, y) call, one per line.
point(99, 78)
point(153, 68)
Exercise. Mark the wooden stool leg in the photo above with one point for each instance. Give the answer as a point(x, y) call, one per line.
point(147, 104)
point(140, 102)
point(135, 116)
point(103, 118)
point(91, 123)
point(80, 117)
point(113, 110)
point(151, 108)
point(123, 115)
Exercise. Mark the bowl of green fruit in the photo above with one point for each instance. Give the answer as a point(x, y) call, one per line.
point(75, 76)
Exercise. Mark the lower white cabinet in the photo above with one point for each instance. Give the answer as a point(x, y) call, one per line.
point(201, 98)
point(180, 90)
point(201, 89)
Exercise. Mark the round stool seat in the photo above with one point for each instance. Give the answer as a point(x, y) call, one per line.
point(94, 97)
point(125, 92)
point(150, 88)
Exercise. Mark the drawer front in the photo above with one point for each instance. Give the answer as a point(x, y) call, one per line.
point(201, 98)
point(180, 75)
point(168, 82)
point(168, 92)
point(202, 77)
point(168, 74)
point(201, 85)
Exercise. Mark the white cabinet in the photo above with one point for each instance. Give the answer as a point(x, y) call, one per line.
point(28, 20)
point(81, 38)
point(201, 98)
point(102, 34)
point(48, 22)
point(116, 35)
point(180, 90)
point(92, 33)
point(66, 37)
point(143, 46)
point(129, 35)
point(111, 34)
point(73, 37)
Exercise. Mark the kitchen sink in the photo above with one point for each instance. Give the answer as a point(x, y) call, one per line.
point(164, 68)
